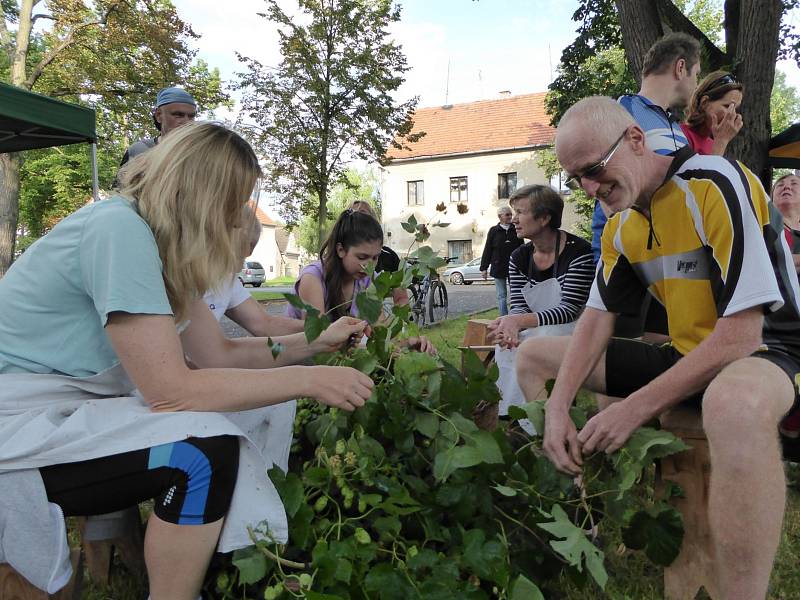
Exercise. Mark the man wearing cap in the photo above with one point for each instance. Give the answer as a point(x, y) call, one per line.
point(174, 107)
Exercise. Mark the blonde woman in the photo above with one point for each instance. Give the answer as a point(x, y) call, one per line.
point(98, 409)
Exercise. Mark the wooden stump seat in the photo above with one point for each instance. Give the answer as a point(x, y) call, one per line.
point(695, 566)
point(96, 554)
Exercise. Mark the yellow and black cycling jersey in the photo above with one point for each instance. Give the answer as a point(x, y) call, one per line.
point(711, 246)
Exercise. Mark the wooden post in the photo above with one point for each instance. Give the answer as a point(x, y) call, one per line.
point(127, 540)
point(695, 565)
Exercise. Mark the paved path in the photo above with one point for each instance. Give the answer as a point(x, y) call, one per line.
point(462, 299)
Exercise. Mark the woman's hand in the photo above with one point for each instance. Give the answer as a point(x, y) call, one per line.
point(341, 387)
point(725, 129)
point(341, 332)
point(420, 344)
point(504, 331)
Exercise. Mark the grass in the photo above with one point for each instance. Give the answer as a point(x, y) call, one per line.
point(279, 282)
point(631, 575)
point(262, 296)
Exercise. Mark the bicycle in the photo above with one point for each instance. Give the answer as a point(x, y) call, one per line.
point(428, 297)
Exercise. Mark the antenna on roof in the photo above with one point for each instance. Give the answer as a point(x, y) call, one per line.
point(447, 85)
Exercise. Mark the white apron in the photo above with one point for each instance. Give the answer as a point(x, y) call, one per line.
point(53, 419)
point(540, 297)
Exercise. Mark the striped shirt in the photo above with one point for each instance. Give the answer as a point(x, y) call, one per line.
point(575, 275)
point(662, 134)
point(712, 247)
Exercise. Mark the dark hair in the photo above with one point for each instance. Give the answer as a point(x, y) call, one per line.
point(714, 86)
point(543, 200)
point(351, 228)
point(670, 48)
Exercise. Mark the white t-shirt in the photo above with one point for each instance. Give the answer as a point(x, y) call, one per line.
point(230, 295)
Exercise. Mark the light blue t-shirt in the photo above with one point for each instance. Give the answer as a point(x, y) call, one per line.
point(55, 300)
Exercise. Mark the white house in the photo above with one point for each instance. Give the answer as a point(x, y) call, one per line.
point(266, 251)
point(474, 155)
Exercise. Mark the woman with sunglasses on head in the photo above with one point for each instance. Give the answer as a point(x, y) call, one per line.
point(712, 119)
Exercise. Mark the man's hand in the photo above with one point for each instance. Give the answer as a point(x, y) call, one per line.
point(561, 441)
point(485, 275)
point(340, 333)
point(609, 429)
point(342, 387)
point(504, 331)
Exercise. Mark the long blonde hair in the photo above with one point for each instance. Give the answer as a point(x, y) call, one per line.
point(191, 190)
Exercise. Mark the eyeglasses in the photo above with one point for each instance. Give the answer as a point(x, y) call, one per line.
point(574, 181)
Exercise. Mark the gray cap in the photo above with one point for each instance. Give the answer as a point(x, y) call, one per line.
point(171, 95)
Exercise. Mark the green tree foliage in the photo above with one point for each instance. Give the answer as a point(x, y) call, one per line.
point(356, 185)
point(330, 98)
point(112, 55)
point(784, 105)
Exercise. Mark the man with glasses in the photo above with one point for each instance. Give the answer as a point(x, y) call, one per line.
point(699, 234)
point(501, 241)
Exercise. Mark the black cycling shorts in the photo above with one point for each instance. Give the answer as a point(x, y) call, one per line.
point(192, 481)
point(632, 364)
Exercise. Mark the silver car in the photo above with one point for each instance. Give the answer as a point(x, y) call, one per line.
point(466, 273)
point(253, 273)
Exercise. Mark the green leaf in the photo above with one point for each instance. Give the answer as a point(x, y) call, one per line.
point(369, 307)
point(659, 535)
point(574, 546)
point(505, 490)
point(311, 595)
point(275, 348)
point(251, 563)
point(524, 589)
point(364, 361)
point(648, 444)
point(427, 424)
point(290, 489)
point(315, 325)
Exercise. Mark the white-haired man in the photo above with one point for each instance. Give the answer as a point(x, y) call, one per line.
point(698, 233)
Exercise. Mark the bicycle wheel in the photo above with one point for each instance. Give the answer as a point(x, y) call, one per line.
point(417, 305)
point(436, 302)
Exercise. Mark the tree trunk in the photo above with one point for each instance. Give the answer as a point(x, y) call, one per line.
point(757, 50)
point(323, 214)
point(9, 207)
point(640, 27)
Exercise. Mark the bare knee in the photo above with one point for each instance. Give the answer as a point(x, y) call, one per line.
point(745, 402)
point(540, 356)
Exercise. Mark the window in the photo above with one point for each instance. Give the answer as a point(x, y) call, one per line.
point(416, 193)
point(506, 185)
point(460, 249)
point(458, 189)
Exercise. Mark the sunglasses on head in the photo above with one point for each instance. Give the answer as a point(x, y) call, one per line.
point(724, 80)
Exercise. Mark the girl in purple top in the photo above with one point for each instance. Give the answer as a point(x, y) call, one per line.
point(331, 284)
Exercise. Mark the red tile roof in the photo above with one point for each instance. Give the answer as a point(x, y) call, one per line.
point(513, 122)
point(263, 218)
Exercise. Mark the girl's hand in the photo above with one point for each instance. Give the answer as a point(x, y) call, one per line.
point(726, 128)
point(420, 344)
point(342, 387)
point(341, 332)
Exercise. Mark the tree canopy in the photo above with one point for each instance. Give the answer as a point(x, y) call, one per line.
point(113, 55)
point(329, 100)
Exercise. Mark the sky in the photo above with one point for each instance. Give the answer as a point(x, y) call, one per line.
point(486, 45)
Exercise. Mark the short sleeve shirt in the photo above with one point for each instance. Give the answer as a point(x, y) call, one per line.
point(57, 296)
point(230, 295)
point(711, 248)
point(315, 269)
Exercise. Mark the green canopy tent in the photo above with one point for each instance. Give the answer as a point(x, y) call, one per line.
point(784, 148)
point(29, 120)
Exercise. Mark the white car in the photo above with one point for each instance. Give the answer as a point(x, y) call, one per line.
point(466, 273)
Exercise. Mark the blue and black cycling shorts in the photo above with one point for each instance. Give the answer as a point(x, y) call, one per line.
point(192, 481)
